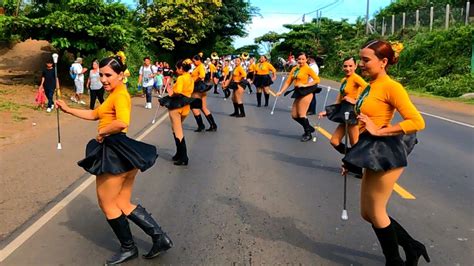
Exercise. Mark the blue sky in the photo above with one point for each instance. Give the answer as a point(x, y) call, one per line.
point(276, 13)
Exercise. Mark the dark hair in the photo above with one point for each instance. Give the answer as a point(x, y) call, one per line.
point(197, 57)
point(349, 58)
point(382, 49)
point(114, 62)
point(184, 64)
point(146, 57)
point(264, 56)
point(49, 61)
point(302, 53)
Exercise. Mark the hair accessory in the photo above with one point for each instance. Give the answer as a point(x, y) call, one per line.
point(397, 47)
point(187, 61)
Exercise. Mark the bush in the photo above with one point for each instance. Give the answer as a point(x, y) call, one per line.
point(451, 86)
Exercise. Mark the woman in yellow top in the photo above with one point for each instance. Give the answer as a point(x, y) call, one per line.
point(200, 92)
point(351, 87)
point(115, 159)
point(214, 76)
point(226, 77)
point(303, 93)
point(237, 83)
point(262, 79)
point(251, 73)
point(382, 149)
point(178, 108)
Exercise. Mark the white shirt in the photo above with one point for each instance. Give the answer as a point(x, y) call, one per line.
point(146, 71)
point(77, 69)
point(315, 67)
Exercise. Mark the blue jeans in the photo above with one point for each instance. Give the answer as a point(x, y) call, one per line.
point(148, 91)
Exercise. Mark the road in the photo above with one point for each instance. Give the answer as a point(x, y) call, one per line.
point(254, 194)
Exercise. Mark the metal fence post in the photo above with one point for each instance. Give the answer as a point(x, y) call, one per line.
point(468, 6)
point(403, 20)
point(431, 17)
point(446, 24)
point(383, 26)
point(393, 24)
point(375, 24)
point(417, 19)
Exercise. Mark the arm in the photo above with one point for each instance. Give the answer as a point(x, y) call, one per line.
point(41, 84)
point(274, 75)
point(88, 82)
point(84, 114)
point(286, 84)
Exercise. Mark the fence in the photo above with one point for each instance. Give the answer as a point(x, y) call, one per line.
point(431, 18)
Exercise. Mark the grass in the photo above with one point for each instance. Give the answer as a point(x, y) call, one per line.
point(9, 106)
point(17, 118)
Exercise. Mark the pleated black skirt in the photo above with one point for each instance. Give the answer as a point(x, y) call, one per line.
point(335, 112)
point(301, 92)
point(201, 86)
point(234, 85)
point(117, 154)
point(176, 102)
point(381, 153)
point(261, 81)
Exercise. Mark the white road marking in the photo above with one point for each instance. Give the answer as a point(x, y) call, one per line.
point(25, 235)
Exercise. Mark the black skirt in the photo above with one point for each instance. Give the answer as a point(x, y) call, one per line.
point(381, 153)
point(250, 75)
point(176, 101)
point(201, 86)
point(117, 154)
point(261, 81)
point(335, 113)
point(234, 85)
point(301, 92)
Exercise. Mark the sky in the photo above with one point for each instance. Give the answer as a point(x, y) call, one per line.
point(276, 13)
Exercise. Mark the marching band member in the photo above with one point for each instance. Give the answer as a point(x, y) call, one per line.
point(226, 76)
point(262, 79)
point(251, 73)
point(178, 108)
point(200, 92)
point(382, 149)
point(303, 93)
point(237, 83)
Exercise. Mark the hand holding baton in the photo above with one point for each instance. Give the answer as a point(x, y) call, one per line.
point(276, 99)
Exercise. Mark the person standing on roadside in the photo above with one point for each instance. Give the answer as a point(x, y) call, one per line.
point(78, 72)
point(312, 106)
point(94, 85)
point(146, 79)
point(49, 82)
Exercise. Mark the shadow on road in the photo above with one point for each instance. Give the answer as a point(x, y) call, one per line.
point(269, 131)
point(263, 225)
point(301, 161)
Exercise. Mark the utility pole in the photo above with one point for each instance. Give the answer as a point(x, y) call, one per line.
point(367, 19)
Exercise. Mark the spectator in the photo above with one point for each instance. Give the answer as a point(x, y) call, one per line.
point(78, 71)
point(146, 79)
point(49, 82)
point(94, 85)
point(312, 105)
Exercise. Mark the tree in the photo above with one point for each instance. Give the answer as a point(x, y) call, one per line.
point(269, 40)
point(250, 49)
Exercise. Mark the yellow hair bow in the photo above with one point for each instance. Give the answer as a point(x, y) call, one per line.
point(397, 47)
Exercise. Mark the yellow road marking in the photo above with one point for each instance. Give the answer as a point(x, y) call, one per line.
point(397, 188)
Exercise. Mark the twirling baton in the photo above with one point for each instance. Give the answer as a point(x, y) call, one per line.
point(58, 96)
point(344, 210)
point(276, 99)
point(315, 138)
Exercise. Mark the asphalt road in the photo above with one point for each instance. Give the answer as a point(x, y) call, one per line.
point(254, 194)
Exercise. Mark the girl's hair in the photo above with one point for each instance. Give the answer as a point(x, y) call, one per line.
point(302, 53)
point(382, 49)
point(264, 56)
point(185, 64)
point(349, 58)
point(197, 57)
point(114, 62)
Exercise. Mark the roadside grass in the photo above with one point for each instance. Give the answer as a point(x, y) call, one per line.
point(15, 109)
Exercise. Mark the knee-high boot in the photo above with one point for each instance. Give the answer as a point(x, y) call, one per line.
point(388, 241)
point(176, 155)
point(259, 99)
point(215, 89)
point(340, 148)
point(183, 156)
point(128, 250)
point(199, 123)
point(236, 109)
point(308, 129)
point(212, 123)
point(267, 97)
point(144, 220)
point(241, 109)
point(413, 248)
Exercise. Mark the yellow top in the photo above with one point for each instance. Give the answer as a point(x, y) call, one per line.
point(354, 86)
point(252, 67)
point(199, 72)
point(184, 85)
point(238, 74)
point(300, 75)
point(226, 71)
point(212, 68)
point(387, 95)
point(116, 107)
point(265, 68)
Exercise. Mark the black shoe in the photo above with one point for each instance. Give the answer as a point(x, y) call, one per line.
point(144, 220)
point(212, 123)
point(183, 159)
point(240, 115)
point(241, 109)
point(128, 250)
point(236, 110)
point(306, 137)
point(216, 92)
point(413, 248)
point(199, 123)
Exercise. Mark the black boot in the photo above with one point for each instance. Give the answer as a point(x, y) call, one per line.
point(183, 156)
point(128, 250)
point(413, 249)
point(215, 89)
point(199, 123)
point(161, 241)
point(242, 110)
point(267, 97)
point(212, 123)
point(236, 110)
point(259, 99)
point(176, 155)
point(308, 129)
point(388, 241)
point(341, 148)
point(227, 93)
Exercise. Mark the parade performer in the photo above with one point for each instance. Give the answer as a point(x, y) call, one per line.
point(382, 149)
point(251, 73)
point(178, 108)
point(115, 159)
point(351, 87)
point(212, 76)
point(226, 76)
point(262, 79)
point(200, 92)
point(303, 93)
point(167, 73)
point(237, 84)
